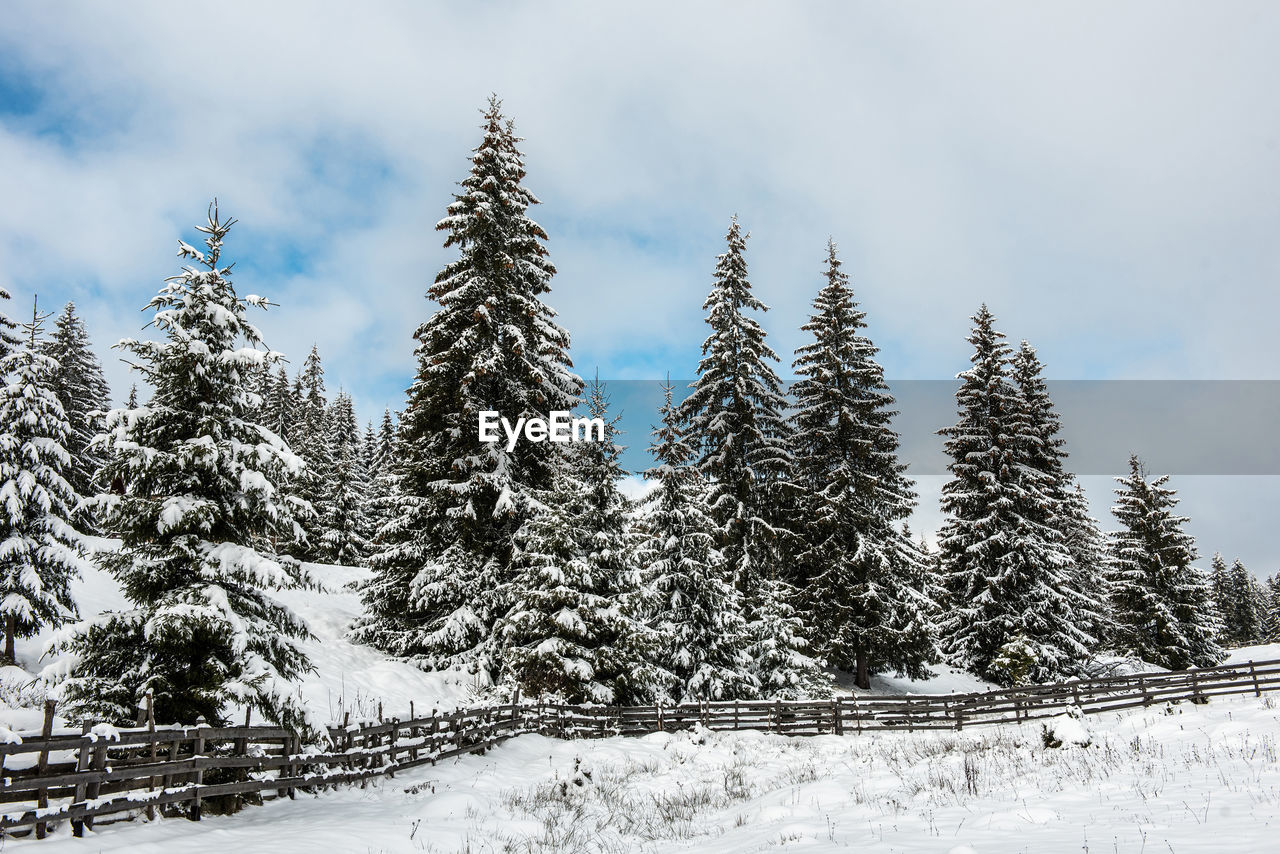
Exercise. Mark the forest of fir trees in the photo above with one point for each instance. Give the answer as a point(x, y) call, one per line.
point(770, 554)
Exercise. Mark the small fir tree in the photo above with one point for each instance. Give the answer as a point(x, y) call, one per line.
point(699, 643)
point(1162, 604)
point(344, 523)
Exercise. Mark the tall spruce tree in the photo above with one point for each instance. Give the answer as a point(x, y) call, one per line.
point(860, 579)
point(734, 419)
point(83, 392)
point(493, 345)
point(700, 635)
point(1007, 573)
point(1062, 506)
point(40, 549)
point(201, 504)
point(1162, 604)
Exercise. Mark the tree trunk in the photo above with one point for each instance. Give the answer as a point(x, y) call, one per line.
point(9, 631)
point(863, 679)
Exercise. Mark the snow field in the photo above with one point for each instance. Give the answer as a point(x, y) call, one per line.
point(1180, 778)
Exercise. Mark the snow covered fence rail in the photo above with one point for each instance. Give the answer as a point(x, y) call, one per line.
point(102, 771)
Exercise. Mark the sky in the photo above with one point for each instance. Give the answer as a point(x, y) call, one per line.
point(1103, 175)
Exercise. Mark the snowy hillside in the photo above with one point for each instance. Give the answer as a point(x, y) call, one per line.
point(1171, 778)
point(347, 676)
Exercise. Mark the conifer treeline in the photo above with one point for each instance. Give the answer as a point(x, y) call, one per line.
point(772, 547)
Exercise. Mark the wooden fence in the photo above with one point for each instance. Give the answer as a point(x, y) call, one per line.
point(81, 776)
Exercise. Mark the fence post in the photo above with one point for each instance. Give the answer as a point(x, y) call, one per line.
point(295, 767)
point(82, 764)
point(837, 720)
point(99, 764)
point(151, 732)
point(42, 794)
point(777, 716)
point(736, 725)
point(197, 748)
point(1257, 691)
point(435, 730)
point(661, 728)
point(391, 746)
point(1146, 698)
point(1195, 688)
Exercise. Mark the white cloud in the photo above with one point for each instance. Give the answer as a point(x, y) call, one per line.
point(1104, 176)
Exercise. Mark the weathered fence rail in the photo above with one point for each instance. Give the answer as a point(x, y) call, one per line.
point(81, 776)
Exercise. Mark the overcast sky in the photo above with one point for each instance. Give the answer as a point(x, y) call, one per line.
point(1103, 175)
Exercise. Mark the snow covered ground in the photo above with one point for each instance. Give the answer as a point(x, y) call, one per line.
point(1167, 779)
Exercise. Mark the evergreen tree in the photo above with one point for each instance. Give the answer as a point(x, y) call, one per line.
point(1007, 573)
point(1221, 596)
point(1061, 506)
point(1271, 621)
point(278, 405)
point(1090, 577)
point(383, 498)
point(311, 440)
point(344, 523)
point(132, 402)
point(1162, 604)
point(734, 421)
point(700, 638)
point(1248, 607)
point(860, 581)
point(40, 550)
point(83, 392)
point(572, 630)
point(10, 341)
point(201, 502)
point(493, 345)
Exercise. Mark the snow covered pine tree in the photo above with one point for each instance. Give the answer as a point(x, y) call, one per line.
point(40, 550)
point(1007, 574)
point(571, 631)
point(493, 345)
point(82, 390)
point(1162, 604)
point(734, 422)
point(699, 642)
point(200, 508)
point(857, 577)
